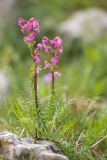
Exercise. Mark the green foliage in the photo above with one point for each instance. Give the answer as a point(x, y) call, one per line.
point(75, 131)
point(1, 157)
point(83, 73)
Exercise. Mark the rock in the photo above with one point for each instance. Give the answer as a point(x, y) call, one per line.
point(87, 25)
point(14, 148)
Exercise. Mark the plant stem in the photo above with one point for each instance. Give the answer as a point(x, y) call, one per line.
point(98, 141)
point(35, 90)
point(35, 83)
point(53, 80)
point(53, 84)
point(36, 99)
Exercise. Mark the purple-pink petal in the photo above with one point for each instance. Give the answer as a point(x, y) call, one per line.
point(40, 46)
point(47, 77)
point(47, 65)
point(56, 42)
point(45, 40)
point(30, 37)
point(21, 21)
point(60, 50)
point(28, 26)
point(37, 59)
point(55, 60)
point(46, 48)
point(57, 74)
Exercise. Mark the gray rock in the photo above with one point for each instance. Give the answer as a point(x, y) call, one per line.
point(14, 148)
point(87, 25)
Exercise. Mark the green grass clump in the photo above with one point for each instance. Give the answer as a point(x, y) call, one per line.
point(80, 133)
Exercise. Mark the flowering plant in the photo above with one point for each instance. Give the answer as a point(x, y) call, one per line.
point(52, 47)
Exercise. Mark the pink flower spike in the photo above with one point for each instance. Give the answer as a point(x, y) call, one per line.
point(37, 59)
point(30, 37)
point(55, 60)
point(45, 39)
point(21, 21)
point(47, 65)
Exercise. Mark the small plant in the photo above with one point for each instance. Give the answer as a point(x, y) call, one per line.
point(31, 29)
point(54, 49)
point(81, 133)
point(51, 47)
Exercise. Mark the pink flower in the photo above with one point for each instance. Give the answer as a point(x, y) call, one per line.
point(30, 37)
point(33, 21)
point(45, 39)
point(60, 50)
point(37, 58)
point(26, 39)
point(55, 60)
point(47, 65)
point(21, 21)
point(47, 77)
point(35, 25)
point(46, 48)
point(38, 69)
point(56, 42)
point(36, 29)
point(57, 74)
point(40, 46)
point(28, 26)
point(22, 29)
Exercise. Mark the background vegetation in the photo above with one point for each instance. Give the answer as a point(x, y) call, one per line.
point(82, 86)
